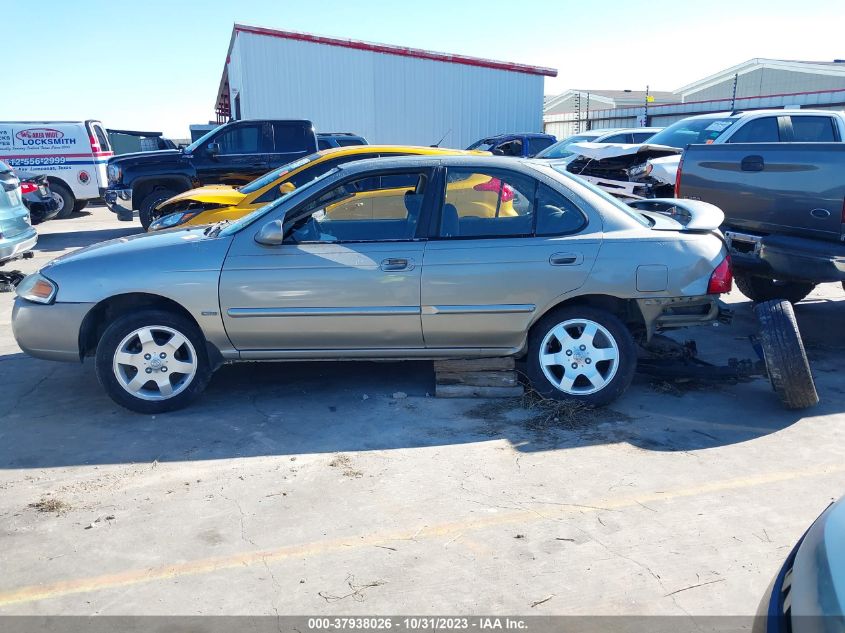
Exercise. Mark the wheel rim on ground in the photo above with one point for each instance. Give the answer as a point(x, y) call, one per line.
point(579, 357)
point(155, 362)
point(59, 201)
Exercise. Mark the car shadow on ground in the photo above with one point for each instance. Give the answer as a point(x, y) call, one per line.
point(56, 242)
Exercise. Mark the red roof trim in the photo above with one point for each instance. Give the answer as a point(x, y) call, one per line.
point(399, 50)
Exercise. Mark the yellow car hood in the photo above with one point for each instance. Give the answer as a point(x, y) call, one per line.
point(216, 194)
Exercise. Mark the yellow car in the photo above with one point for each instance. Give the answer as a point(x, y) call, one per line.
point(213, 203)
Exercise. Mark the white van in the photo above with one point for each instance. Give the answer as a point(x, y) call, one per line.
point(72, 154)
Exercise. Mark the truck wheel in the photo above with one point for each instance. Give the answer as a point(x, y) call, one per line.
point(146, 210)
point(152, 361)
point(581, 353)
point(65, 199)
point(783, 350)
point(763, 289)
point(80, 204)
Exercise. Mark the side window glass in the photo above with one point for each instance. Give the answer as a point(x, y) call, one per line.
point(616, 138)
point(242, 139)
point(371, 209)
point(487, 204)
point(556, 214)
point(763, 130)
point(290, 138)
point(642, 137)
point(510, 148)
point(323, 144)
point(812, 129)
point(538, 144)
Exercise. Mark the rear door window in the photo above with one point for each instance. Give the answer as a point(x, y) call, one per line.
point(618, 138)
point(813, 129)
point(556, 214)
point(291, 137)
point(762, 130)
point(641, 137)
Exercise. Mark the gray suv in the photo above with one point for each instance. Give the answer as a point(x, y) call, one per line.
point(390, 258)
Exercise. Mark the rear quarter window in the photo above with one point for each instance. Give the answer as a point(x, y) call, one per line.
point(813, 129)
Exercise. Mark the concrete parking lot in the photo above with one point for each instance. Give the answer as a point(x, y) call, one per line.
point(309, 488)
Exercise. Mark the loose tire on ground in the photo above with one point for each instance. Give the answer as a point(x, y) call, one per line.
point(573, 350)
point(783, 350)
point(138, 345)
point(65, 198)
point(146, 210)
point(80, 204)
point(762, 289)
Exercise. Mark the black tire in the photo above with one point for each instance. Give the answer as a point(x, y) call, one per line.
point(783, 350)
point(146, 210)
point(65, 198)
point(126, 325)
point(80, 204)
point(762, 289)
point(616, 383)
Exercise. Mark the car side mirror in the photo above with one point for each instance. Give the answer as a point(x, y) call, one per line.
point(272, 233)
point(286, 187)
point(213, 149)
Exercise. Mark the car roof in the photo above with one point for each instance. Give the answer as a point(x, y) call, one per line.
point(465, 159)
point(736, 114)
point(516, 135)
point(413, 149)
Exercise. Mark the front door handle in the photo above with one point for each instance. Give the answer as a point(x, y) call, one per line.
point(566, 259)
point(752, 163)
point(396, 263)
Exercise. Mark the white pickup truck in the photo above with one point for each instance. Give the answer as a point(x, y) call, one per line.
point(632, 172)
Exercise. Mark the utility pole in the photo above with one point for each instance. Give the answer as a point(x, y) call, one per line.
point(577, 112)
point(587, 126)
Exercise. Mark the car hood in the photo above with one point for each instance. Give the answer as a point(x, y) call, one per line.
point(600, 151)
point(158, 156)
point(214, 194)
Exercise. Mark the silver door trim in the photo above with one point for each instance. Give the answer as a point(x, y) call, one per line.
point(407, 353)
point(240, 313)
point(516, 308)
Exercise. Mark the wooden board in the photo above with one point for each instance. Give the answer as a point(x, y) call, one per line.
point(502, 363)
point(468, 391)
point(478, 378)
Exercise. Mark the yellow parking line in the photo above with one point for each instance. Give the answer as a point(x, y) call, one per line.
point(58, 589)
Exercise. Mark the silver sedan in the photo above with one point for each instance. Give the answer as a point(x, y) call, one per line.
point(405, 258)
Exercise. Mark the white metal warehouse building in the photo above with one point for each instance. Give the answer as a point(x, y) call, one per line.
point(388, 94)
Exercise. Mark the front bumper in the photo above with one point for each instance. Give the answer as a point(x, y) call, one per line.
point(49, 331)
point(119, 201)
point(11, 247)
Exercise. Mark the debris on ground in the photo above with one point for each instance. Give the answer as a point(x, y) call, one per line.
point(50, 504)
point(539, 602)
point(100, 520)
point(400, 395)
point(344, 462)
point(357, 590)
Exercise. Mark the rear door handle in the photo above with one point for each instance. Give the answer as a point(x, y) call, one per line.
point(396, 263)
point(566, 259)
point(752, 163)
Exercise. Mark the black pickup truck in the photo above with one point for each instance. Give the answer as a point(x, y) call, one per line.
point(232, 154)
point(784, 207)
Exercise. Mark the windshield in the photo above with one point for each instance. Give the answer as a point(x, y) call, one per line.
point(689, 131)
point(248, 219)
point(268, 178)
point(559, 149)
point(616, 202)
point(484, 145)
point(202, 140)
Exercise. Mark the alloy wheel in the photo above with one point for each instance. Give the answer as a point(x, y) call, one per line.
point(579, 356)
point(155, 362)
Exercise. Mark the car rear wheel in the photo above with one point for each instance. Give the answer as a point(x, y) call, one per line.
point(146, 210)
point(783, 350)
point(581, 353)
point(64, 199)
point(763, 289)
point(152, 361)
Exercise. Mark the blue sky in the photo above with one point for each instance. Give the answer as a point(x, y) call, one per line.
point(156, 65)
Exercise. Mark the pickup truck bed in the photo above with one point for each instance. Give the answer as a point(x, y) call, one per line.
point(784, 206)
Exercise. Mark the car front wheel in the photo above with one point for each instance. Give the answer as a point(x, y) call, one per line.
point(152, 361)
point(581, 353)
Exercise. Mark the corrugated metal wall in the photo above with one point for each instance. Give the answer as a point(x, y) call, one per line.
point(768, 81)
point(386, 98)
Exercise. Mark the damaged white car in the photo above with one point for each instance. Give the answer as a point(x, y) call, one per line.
point(649, 170)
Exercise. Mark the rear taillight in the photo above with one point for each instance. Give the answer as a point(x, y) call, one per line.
point(28, 187)
point(95, 145)
point(494, 184)
point(678, 177)
point(722, 278)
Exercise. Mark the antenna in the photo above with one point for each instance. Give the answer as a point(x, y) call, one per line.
point(443, 138)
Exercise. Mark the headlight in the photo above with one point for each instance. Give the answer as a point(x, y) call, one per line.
point(173, 219)
point(114, 173)
point(37, 288)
